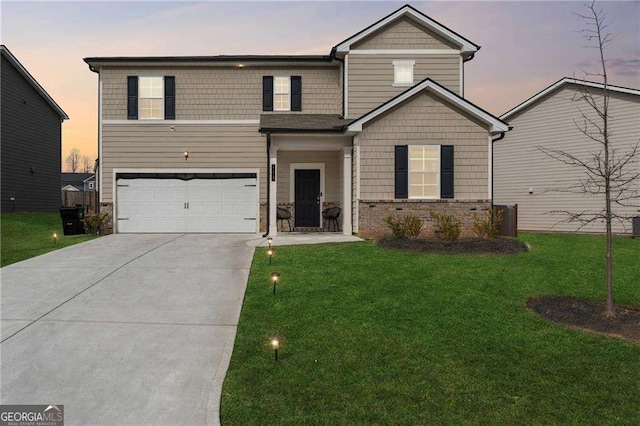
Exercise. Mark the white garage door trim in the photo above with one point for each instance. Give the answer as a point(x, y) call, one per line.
point(117, 171)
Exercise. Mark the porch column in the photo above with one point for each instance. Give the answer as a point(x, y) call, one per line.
point(273, 196)
point(346, 196)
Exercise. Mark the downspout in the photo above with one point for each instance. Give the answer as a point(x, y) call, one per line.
point(268, 184)
point(499, 138)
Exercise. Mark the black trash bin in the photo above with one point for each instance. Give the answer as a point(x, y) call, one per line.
point(72, 220)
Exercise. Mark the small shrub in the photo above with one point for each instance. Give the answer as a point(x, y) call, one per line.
point(96, 223)
point(445, 226)
point(486, 226)
point(413, 226)
point(397, 226)
point(404, 227)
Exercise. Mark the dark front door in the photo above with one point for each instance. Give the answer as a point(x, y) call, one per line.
point(307, 205)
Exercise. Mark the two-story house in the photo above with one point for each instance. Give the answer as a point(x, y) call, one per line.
point(377, 127)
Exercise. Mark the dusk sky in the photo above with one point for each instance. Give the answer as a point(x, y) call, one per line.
point(525, 45)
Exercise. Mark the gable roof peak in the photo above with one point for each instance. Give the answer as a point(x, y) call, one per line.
point(467, 47)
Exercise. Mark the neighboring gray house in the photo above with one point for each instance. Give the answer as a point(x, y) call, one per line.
point(78, 182)
point(30, 139)
point(377, 126)
point(526, 176)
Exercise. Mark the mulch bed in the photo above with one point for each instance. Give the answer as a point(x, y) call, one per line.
point(588, 315)
point(471, 245)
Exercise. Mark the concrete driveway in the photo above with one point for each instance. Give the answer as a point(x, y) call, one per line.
point(125, 329)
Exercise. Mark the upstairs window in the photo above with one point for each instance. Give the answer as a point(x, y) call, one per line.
point(403, 73)
point(151, 98)
point(282, 93)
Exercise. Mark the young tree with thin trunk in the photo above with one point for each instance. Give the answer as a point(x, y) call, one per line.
point(86, 164)
point(73, 160)
point(612, 175)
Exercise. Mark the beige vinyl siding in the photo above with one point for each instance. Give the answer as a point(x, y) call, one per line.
point(519, 165)
point(156, 146)
point(424, 120)
point(370, 77)
point(332, 161)
point(404, 34)
point(216, 93)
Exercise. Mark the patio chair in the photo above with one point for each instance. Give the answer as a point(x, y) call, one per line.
point(283, 215)
point(330, 215)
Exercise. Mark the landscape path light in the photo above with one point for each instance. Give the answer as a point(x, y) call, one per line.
point(276, 341)
point(55, 238)
point(275, 276)
point(270, 241)
point(270, 254)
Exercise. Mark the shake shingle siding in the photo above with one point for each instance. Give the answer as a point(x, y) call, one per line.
point(519, 166)
point(31, 136)
point(208, 93)
point(424, 121)
point(404, 34)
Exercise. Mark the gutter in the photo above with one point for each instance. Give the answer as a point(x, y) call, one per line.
point(268, 184)
point(493, 163)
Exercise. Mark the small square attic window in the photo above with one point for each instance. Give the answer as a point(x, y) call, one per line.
point(403, 73)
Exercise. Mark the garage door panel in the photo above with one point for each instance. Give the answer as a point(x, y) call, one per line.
point(195, 205)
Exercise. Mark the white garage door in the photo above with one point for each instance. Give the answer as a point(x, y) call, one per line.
point(218, 203)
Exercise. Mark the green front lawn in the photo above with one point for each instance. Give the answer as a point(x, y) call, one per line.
point(384, 337)
point(26, 235)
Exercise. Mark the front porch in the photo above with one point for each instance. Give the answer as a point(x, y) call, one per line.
point(309, 174)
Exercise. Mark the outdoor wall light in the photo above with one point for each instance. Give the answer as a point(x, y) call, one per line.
point(275, 276)
point(270, 254)
point(55, 238)
point(186, 155)
point(275, 344)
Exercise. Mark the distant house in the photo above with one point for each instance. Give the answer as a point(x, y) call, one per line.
point(525, 176)
point(30, 140)
point(78, 182)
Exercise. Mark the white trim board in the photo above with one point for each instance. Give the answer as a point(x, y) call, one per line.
point(185, 122)
point(495, 125)
point(404, 52)
point(560, 83)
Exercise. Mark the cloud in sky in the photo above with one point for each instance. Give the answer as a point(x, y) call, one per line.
point(525, 45)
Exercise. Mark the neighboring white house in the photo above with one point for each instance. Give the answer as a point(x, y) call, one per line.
point(525, 176)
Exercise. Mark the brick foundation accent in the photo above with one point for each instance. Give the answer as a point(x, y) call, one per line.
point(108, 208)
point(373, 212)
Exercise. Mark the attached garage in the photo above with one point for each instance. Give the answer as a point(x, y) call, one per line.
point(187, 202)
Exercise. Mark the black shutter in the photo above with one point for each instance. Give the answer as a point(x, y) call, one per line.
point(132, 97)
point(446, 171)
point(402, 171)
point(169, 98)
point(267, 93)
point(296, 93)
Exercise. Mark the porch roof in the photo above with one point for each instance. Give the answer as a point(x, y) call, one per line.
point(285, 123)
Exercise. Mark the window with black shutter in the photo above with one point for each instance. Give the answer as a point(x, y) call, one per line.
point(296, 93)
point(132, 97)
point(169, 98)
point(267, 93)
point(446, 171)
point(401, 171)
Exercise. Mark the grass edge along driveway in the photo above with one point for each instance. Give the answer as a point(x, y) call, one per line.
point(378, 336)
point(26, 235)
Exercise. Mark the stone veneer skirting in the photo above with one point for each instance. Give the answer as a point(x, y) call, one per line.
point(371, 214)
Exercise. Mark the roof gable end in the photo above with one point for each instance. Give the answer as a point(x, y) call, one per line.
point(32, 81)
point(495, 125)
point(467, 47)
point(558, 85)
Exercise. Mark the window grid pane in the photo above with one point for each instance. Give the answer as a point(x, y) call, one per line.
point(424, 170)
point(281, 92)
point(151, 97)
